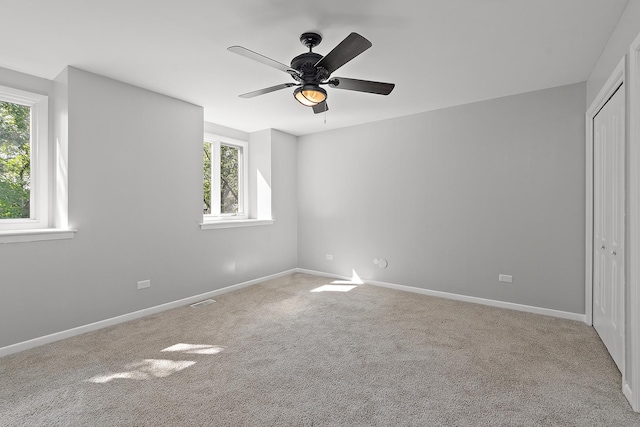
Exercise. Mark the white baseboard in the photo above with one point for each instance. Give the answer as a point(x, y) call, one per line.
point(321, 274)
point(628, 393)
point(25, 345)
point(458, 297)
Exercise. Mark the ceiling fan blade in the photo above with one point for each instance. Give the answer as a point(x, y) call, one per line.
point(242, 51)
point(267, 90)
point(361, 85)
point(321, 107)
point(353, 45)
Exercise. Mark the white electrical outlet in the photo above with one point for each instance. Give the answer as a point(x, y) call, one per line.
point(505, 278)
point(144, 284)
point(329, 257)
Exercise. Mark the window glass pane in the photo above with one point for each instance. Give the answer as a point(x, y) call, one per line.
point(229, 158)
point(15, 160)
point(207, 178)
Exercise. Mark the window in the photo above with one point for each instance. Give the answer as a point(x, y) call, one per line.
point(225, 178)
point(24, 192)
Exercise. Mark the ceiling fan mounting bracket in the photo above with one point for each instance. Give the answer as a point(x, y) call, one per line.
point(310, 39)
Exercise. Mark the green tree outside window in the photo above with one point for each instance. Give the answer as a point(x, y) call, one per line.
point(15, 160)
point(229, 157)
point(229, 168)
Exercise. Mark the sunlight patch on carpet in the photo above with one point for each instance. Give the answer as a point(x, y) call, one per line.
point(146, 369)
point(194, 348)
point(334, 288)
point(341, 285)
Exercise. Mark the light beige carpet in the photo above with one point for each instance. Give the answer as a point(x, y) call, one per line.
point(277, 354)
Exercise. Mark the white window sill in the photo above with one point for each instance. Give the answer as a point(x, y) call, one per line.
point(233, 223)
point(36, 235)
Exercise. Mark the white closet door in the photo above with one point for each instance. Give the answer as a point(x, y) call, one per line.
point(608, 215)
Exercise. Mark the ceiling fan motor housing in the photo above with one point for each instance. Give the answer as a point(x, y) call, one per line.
point(306, 65)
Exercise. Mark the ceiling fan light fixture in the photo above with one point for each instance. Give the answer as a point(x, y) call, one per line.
point(310, 95)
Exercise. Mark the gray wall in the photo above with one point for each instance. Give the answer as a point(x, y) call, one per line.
point(26, 82)
point(454, 197)
point(135, 196)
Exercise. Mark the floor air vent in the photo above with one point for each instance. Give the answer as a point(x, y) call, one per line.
point(201, 303)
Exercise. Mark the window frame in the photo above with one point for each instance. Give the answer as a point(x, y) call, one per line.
point(216, 142)
point(40, 217)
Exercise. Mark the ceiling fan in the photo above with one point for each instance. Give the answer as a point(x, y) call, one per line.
point(310, 70)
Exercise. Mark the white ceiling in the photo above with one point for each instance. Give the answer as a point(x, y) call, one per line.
point(439, 53)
